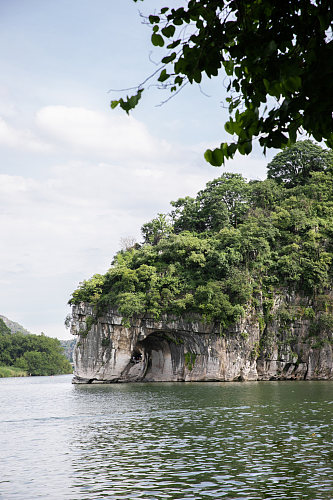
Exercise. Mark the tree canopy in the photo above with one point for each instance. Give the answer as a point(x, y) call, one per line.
point(278, 58)
point(36, 354)
point(296, 164)
point(224, 250)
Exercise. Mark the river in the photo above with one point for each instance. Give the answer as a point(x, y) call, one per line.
point(255, 440)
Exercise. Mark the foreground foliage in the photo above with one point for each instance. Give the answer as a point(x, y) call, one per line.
point(31, 354)
point(277, 58)
point(232, 246)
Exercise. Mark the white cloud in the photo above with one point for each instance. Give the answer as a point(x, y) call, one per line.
point(14, 184)
point(20, 139)
point(110, 135)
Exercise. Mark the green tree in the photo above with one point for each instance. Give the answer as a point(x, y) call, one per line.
point(6, 357)
point(222, 202)
point(4, 328)
point(296, 164)
point(40, 363)
point(37, 354)
point(227, 192)
point(187, 215)
point(264, 194)
point(278, 57)
point(156, 229)
point(92, 288)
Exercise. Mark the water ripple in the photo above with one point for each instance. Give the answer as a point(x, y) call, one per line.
point(166, 441)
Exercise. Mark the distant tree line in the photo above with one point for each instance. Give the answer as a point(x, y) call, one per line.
point(35, 354)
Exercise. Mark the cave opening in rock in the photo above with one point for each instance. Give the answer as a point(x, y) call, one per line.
point(163, 356)
point(136, 356)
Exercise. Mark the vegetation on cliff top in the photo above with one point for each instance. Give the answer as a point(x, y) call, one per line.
point(231, 245)
point(30, 354)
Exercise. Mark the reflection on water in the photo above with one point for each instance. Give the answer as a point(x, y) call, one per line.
point(270, 440)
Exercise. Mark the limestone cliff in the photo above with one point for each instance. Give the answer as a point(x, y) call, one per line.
point(186, 349)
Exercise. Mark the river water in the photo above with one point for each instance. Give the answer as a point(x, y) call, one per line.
point(255, 440)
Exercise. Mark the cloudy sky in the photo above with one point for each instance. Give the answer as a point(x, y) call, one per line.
point(76, 177)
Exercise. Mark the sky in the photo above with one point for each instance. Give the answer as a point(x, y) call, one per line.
point(75, 176)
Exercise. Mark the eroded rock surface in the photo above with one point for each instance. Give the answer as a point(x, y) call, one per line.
point(185, 349)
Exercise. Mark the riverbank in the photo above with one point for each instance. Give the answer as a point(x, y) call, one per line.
point(12, 371)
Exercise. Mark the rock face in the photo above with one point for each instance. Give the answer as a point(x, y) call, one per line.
point(175, 349)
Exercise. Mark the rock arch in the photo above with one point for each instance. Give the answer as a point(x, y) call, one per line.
point(185, 349)
point(173, 349)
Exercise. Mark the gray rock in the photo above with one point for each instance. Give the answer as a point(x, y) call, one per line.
point(186, 349)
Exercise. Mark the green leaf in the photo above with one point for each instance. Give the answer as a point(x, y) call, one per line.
point(208, 155)
point(128, 103)
point(248, 147)
point(245, 148)
point(215, 158)
point(229, 126)
point(163, 76)
point(157, 40)
point(267, 84)
point(168, 31)
point(232, 148)
point(293, 83)
point(154, 19)
point(173, 44)
point(179, 80)
point(197, 76)
point(169, 58)
point(275, 89)
point(229, 67)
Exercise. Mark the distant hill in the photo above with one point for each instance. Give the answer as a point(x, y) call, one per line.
point(14, 327)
